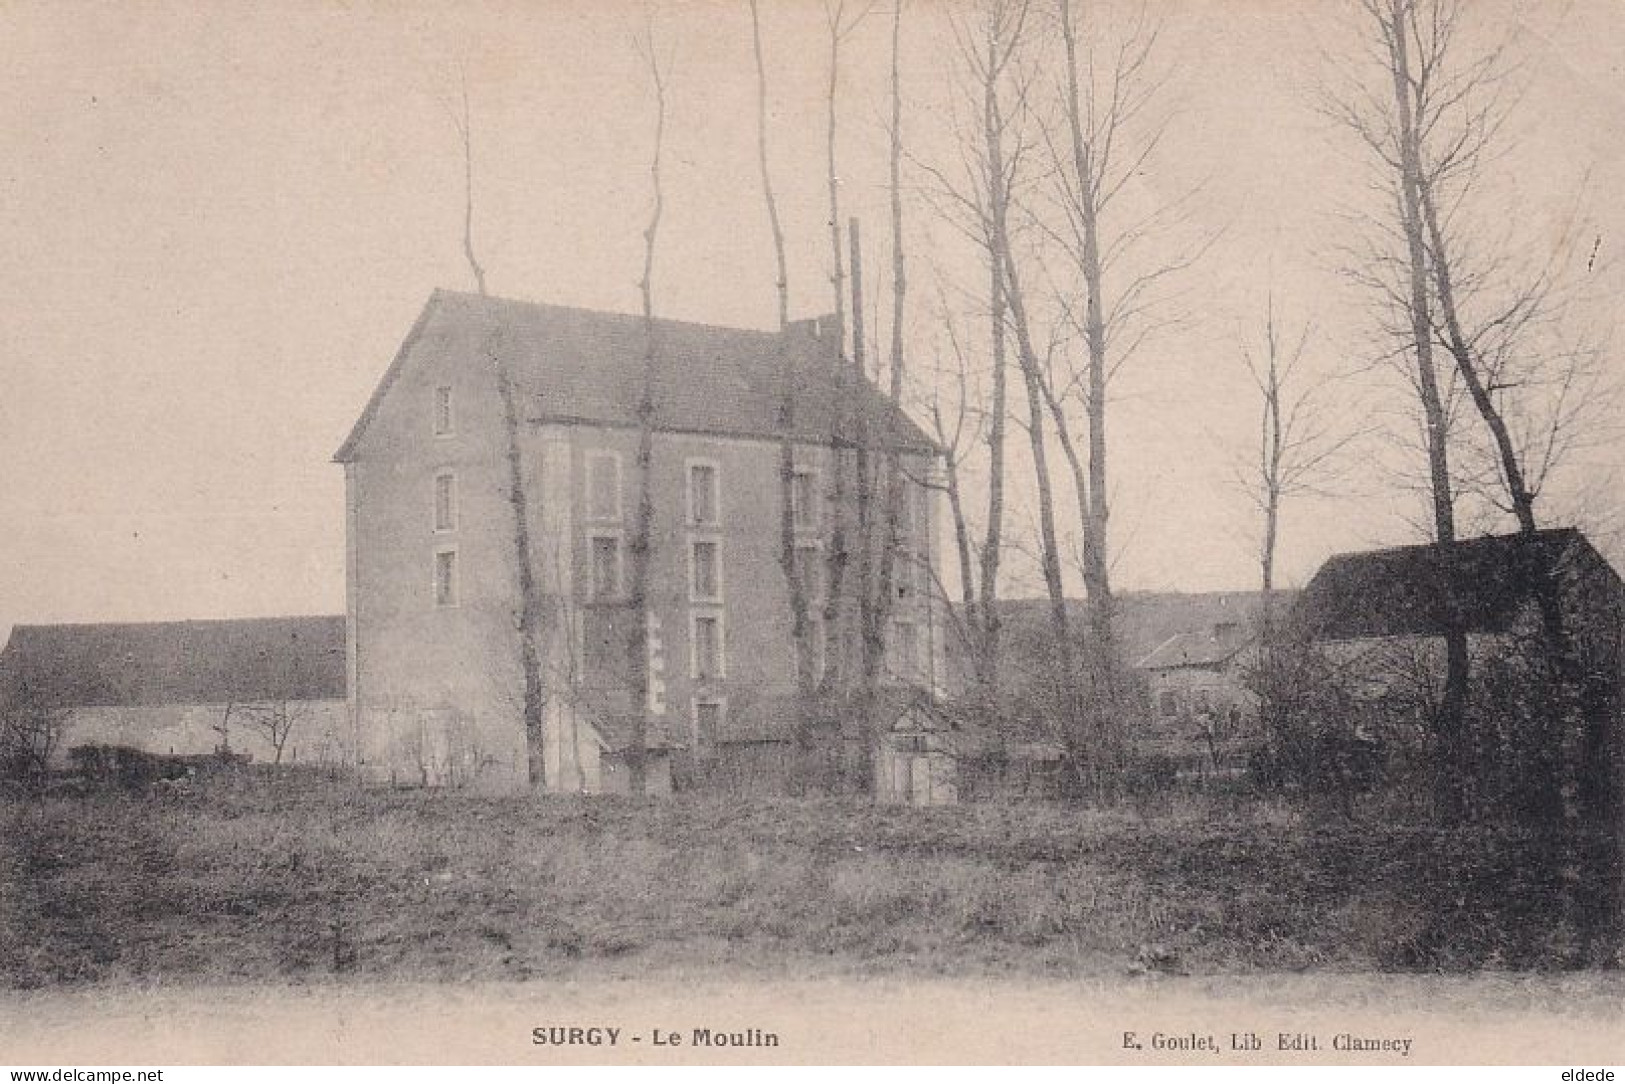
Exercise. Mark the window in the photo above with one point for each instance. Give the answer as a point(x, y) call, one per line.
point(603, 486)
point(1168, 704)
point(444, 421)
point(905, 651)
point(445, 501)
point(705, 571)
point(708, 659)
point(606, 567)
point(810, 563)
point(708, 716)
point(804, 500)
point(702, 494)
point(1204, 701)
point(445, 578)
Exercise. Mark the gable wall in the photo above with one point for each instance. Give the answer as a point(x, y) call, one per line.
point(433, 688)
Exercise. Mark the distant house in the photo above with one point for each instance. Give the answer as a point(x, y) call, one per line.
point(1196, 643)
point(1197, 683)
point(435, 680)
point(184, 687)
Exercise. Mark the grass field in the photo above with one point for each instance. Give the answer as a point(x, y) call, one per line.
point(312, 881)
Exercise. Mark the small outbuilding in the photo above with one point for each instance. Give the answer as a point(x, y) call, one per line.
point(1379, 623)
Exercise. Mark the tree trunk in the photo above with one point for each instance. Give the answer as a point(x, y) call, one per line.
point(1049, 555)
point(530, 597)
point(892, 492)
point(987, 649)
point(1523, 500)
point(842, 419)
point(468, 192)
point(1271, 453)
point(787, 399)
point(1452, 710)
point(638, 685)
point(1096, 565)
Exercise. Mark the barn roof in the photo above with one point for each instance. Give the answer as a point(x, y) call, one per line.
point(1144, 621)
point(175, 662)
point(1477, 585)
point(580, 366)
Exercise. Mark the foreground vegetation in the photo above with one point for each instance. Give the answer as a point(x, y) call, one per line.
point(300, 879)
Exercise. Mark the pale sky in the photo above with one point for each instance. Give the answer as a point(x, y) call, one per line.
point(220, 219)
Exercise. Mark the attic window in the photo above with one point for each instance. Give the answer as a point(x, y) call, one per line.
point(444, 420)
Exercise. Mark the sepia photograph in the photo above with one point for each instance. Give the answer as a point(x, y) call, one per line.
point(738, 532)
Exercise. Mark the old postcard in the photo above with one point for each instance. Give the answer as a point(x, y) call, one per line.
point(812, 531)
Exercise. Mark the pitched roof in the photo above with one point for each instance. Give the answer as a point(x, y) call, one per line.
point(576, 365)
point(1209, 648)
point(1478, 585)
point(175, 662)
point(1144, 621)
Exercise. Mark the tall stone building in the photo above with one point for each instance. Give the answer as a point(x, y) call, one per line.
point(436, 683)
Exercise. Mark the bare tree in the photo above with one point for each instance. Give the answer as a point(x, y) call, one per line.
point(529, 617)
point(30, 735)
point(986, 44)
point(1297, 444)
point(892, 492)
point(222, 727)
point(1391, 131)
point(956, 430)
point(643, 532)
point(1000, 206)
point(800, 627)
point(464, 124)
point(1123, 265)
point(1491, 307)
point(275, 721)
point(1457, 111)
point(849, 380)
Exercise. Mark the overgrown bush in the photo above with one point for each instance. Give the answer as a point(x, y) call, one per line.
point(30, 735)
point(1320, 740)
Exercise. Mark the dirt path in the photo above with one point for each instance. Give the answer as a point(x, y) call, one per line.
point(1570, 1020)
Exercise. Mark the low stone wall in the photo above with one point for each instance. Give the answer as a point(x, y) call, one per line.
point(318, 734)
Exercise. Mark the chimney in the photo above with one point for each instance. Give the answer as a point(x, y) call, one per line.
point(816, 327)
point(824, 330)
